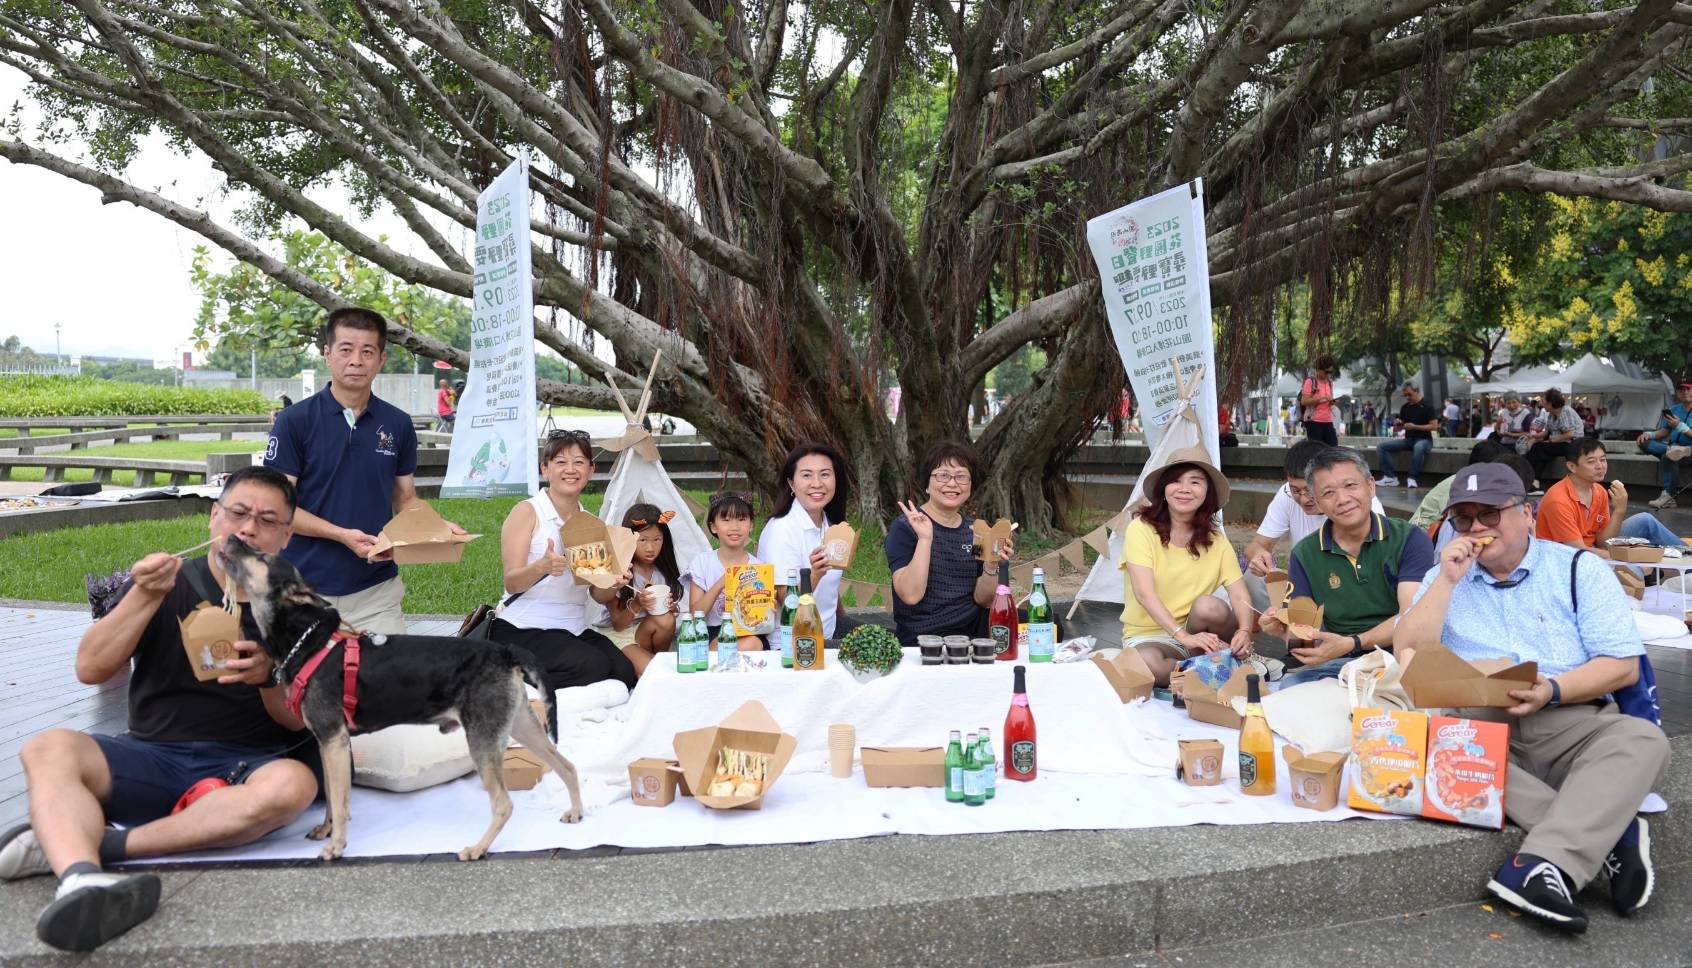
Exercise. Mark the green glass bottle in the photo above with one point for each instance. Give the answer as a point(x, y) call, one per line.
point(684, 643)
point(975, 792)
point(789, 610)
point(1042, 624)
point(955, 768)
point(989, 764)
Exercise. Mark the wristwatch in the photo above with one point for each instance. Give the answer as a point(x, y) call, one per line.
point(1357, 650)
point(1556, 693)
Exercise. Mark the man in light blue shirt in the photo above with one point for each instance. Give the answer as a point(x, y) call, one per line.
point(1578, 768)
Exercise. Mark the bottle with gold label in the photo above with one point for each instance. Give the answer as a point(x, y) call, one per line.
point(1257, 746)
point(807, 628)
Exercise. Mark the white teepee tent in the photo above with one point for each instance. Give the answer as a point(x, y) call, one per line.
point(639, 476)
point(1104, 582)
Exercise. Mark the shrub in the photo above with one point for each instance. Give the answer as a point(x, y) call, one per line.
point(81, 396)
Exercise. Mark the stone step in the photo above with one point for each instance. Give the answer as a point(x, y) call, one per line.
point(1019, 899)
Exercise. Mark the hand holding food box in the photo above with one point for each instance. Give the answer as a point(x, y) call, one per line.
point(417, 535)
point(598, 553)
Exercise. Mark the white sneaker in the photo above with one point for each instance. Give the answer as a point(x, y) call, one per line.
point(1678, 452)
point(1388, 481)
point(1411, 483)
point(21, 854)
point(1663, 500)
point(89, 910)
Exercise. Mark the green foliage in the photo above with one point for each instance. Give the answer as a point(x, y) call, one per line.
point(1609, 278)
point(129, 371)
point(243, 307)
point(273, 361)
point(1015, 375)
point(870, 648)
point(66, 396)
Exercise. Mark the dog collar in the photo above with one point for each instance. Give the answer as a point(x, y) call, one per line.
point(351, 646)
point(276, 672)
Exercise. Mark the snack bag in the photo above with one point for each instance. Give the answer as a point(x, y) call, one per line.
point(1388, 757)
point(1468, 760)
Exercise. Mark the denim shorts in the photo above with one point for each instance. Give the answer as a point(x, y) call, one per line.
point(148, 778)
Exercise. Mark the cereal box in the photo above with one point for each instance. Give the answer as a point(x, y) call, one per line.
point(1467, 762)
point(749, 591)
point(1388, 752)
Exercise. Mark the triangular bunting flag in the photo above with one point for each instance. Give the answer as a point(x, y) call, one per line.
point(1098, 539)
point(1049, 563)
point(1075, 555)
point(1022, 576)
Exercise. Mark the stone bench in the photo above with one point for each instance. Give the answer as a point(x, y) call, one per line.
point(25, 425)
point(24, 444)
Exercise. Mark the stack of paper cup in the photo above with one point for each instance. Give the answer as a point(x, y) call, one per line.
point(842, 743)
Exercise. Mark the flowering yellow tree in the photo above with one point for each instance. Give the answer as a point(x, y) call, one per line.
point(1611, 277)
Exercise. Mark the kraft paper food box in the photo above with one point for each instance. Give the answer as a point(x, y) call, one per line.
point(1128, 674)
point(418, 536)
point(1315, 778)
point(904, 766)
point(1468, 761)
point(750, 729)
point(209, 635)
point(598, 552)
point(523, 769)
point(1215, 706)
point(840, 544)
point(1436, 678)
point(988, 537)
point(1389, 750)
point(652, 782)
point(1201, 762)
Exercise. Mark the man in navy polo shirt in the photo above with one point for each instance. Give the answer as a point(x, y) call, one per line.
point(352, 457)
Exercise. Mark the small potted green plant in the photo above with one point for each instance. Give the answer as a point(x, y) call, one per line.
point(870, 652)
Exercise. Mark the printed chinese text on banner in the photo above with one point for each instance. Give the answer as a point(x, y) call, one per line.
point(493, 444)
point(1154, 272)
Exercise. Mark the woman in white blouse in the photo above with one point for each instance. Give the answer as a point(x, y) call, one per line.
point(548, 612)
point(816, 482)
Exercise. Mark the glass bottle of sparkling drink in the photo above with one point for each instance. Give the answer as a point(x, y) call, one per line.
point(684, 643)
point(807, 628)
point(989, 764)
point(1001, 620)
point(1257, 746)
point(955, 769)
point(699, 656)
point(728, 645)
point(975, 792)
point(1042, 623)
point(789, 608)
point(1021, 761)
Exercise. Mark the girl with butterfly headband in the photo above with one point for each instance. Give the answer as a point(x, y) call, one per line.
point(655, 586)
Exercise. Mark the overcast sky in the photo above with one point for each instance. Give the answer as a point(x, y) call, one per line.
point(115, 277)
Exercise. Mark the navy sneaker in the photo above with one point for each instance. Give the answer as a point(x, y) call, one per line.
point(1536, 886)
point(1629, 866)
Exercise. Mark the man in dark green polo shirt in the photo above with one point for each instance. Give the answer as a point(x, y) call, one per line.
point(1361, 566)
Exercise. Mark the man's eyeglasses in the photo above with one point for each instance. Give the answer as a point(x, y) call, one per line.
point(1488, 518)
point(947, 477)
point(240, 513)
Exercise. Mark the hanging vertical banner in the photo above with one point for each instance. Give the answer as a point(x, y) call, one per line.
point(1155, 273)
point(493, 441)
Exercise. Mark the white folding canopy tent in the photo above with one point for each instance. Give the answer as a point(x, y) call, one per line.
point(1630, 403)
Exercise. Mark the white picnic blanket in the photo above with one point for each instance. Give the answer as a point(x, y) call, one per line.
point(1103, 765)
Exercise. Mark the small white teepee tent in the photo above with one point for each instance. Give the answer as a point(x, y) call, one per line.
point(1104, 582)
point(639, 476)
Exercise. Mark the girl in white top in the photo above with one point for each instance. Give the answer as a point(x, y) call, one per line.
point(817, 482)
point(651, 599)
point(550, 610)
point(729, 518)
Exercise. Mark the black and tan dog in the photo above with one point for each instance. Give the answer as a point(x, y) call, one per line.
point(438, 680)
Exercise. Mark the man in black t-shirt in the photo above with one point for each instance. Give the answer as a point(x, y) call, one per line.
point(1419, 422)
point(181, 731)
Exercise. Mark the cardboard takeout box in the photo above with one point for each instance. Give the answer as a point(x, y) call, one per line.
point(1637, 554)
point(839, 544)
point(1128, 674)
point(1201, 762)
point(1631, 583)
point(988, 538)
point(523, 769)
point(1280, 590)
point(419, 536)
point(652, 781)
point(904, 766)
point(209, 635)
point(1314, 779)
point(598, 552)
point(750, 728)
point(1435, 678)
point(1215, 706)
point(1303, 618)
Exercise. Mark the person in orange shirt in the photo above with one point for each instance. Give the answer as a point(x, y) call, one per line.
point(1579, 511)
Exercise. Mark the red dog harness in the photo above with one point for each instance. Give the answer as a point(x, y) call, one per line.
point(349, 675)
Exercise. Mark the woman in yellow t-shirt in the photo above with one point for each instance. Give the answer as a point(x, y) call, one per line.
point(1174, 557)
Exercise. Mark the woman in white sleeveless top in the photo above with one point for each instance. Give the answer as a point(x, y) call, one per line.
point(552, 613)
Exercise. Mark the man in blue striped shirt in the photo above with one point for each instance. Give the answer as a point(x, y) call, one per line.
point(1578, 768)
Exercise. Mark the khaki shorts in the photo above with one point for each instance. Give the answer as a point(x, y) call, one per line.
point(376, 610)
point(1162, 643)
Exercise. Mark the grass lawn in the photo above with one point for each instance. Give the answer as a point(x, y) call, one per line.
point(53, 566)
point(194, 450)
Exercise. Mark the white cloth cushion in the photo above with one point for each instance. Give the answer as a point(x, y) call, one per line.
point(406, 758)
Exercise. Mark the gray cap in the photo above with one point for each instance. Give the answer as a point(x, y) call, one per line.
point(1494, 485)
